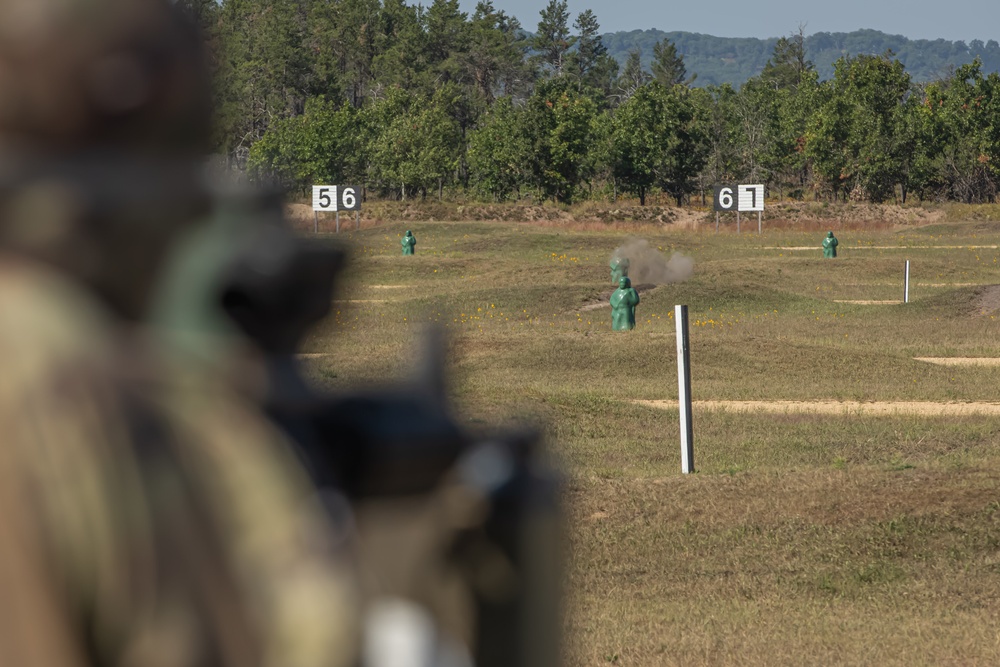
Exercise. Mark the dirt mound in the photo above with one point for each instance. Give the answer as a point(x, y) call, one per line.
point(301, 214)
point(846, 216)
point(789, 215)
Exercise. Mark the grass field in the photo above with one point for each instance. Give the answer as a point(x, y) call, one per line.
point(803, 538)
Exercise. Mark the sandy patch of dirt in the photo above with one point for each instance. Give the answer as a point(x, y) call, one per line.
point(312, 355)
point(361, 301)
point(988, 300)
point(841, 216)
point(386, 286)
point(869, 302)
point(595, 306)
point(299, 212)
point(302, 218)
point(922, 408)
point(689, 219)
point(961, 361)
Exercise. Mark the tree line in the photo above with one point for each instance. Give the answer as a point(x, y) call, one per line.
point(733, 60)
point(413, 101)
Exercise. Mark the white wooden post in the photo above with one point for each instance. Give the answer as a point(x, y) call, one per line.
point(684, 388)
point(906, 283)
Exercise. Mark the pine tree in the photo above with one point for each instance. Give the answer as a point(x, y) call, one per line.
point(668, 67)
point(632, 77)
point(495, 61)
point(788, 63)
point(552, 39)
point(590, 63)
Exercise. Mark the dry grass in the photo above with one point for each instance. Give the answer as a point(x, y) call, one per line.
point(804, 538)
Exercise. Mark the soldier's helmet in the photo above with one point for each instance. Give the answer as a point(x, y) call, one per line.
point(126, 74)
point(105, 110)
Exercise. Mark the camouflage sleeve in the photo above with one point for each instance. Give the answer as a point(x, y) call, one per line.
point(107, 553)
point(295, 578)
point(57, 530)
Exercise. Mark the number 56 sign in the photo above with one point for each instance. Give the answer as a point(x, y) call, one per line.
point(336, 198)
point(738, 198)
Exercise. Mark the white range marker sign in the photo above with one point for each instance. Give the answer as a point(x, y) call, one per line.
point(336, 198)
point(751, 198)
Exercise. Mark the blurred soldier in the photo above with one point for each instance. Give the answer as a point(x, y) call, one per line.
point(148, 515)
point(409, 243)
point(623, 303)
point(830, 245)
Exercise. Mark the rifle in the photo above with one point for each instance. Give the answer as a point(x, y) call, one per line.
point(481, 507)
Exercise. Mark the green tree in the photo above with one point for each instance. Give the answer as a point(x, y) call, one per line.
point(560, 124)
point(263, 69)
point(636, 135)
point(320, 146)
point(447, 40)
point(402, 57)
point(495, 61)
point(659, 138)
point(668, 66)
point(717, 106)
point(858, 138)
point(959, 135)
point(590, 63)
point(500, 152)
point(342, 37)
point(416, 144)
point(632, 78)
point(755, 119)
point(785, 157)
point(780, 102)
point(205, 13)
point(552, 40)
point(788, 63)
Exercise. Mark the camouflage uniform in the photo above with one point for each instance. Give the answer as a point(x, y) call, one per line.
point(148, 514)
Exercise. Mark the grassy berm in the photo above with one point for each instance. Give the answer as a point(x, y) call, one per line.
point(803, 538)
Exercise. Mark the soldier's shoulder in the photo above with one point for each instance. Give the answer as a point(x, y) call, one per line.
point(48, 321)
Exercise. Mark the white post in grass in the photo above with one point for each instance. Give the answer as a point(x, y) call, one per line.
point(906, 284)
point(684, 388)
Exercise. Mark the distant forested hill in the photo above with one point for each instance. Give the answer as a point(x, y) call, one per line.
point(718, 60)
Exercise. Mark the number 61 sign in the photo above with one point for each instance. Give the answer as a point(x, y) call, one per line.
point(738, 198)
point(336, 198)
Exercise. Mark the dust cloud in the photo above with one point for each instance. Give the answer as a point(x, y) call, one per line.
point(649, 266)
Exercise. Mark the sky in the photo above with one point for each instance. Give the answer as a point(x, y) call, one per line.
point(918, 19)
